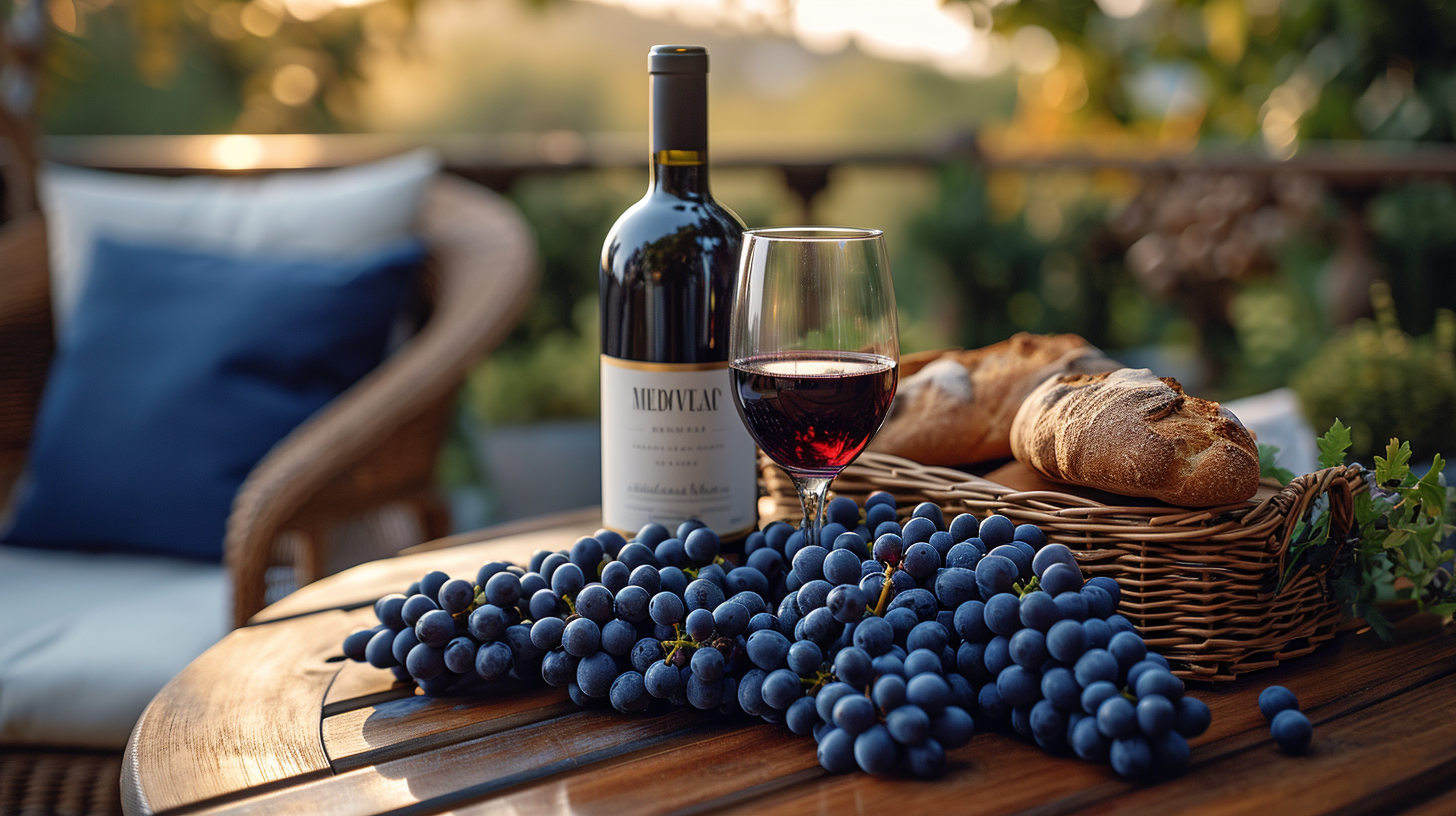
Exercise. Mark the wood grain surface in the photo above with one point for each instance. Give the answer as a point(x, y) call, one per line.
point(265, 723)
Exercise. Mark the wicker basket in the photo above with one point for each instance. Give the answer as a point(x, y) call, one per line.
point(1199, 584)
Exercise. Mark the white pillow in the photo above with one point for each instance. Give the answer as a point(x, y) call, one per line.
point(79, 673)
point(317, 214)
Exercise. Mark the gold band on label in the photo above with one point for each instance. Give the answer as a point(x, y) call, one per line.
point(637, 365)
point(681, 158)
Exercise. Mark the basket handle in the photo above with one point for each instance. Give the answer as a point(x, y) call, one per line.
point(1296, 499)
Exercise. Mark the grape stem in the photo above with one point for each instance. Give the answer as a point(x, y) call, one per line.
point(879, 609)
point(678, 643)
point(1027, 587)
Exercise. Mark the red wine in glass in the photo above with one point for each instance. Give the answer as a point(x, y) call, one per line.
point(814, 411)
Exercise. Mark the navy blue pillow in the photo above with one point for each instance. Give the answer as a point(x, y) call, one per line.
point(177, 372)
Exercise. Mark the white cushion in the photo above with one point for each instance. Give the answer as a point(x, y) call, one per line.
point(322, 215)
point(86, 640)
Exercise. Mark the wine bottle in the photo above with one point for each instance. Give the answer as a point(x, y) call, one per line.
point(673, 445)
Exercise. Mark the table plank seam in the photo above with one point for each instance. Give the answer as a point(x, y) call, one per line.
point(453, 736)
point(246, 793)
point(500, 785)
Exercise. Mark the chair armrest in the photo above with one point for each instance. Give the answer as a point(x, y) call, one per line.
point(485, 259)
point(26, 338)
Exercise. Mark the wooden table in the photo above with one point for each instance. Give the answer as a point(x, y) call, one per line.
point(274, 720)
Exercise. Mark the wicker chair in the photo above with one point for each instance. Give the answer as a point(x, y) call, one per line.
point(374, 446)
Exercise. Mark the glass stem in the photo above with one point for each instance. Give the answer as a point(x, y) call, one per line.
point(812, 492)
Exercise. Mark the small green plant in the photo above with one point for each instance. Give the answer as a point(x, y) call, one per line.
point(1381, 381)
point(1397, 544)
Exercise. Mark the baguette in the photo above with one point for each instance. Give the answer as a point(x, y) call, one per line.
point(1132, 433)
point(955, 407)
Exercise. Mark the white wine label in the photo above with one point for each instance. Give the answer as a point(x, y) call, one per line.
point(674, 448)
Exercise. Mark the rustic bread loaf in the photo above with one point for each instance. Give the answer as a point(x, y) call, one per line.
point(955, 407)
point(1132, 433)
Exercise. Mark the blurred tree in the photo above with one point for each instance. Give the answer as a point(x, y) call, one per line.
point(189, 66)
point(1285, 70)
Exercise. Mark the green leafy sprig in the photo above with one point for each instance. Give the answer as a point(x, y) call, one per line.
point(1395, 548)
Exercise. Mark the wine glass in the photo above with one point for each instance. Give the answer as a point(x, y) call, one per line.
point(814, 350)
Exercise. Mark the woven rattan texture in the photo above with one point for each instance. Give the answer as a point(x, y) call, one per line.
point(1201, 585)
point(59, 783)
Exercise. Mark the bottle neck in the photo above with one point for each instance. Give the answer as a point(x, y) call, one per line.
point(680, 173)
point(680, 134)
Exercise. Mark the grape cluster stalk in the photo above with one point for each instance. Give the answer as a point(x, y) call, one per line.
point(890, 643)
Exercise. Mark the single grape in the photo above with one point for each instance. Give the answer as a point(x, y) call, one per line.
point(1117, 718)
point(546, 633)
point(404, 641)
point(357, 643)
point(379, 650)
point(702, 545)
point(425, 662)
point(1067, 640)
point(1128, 648)
point(1030, 534)
point(1193, 717)
point(1275, 699)
point(1155, 715)
point(415, 608)
point(493, 660)
point(544, 603)
point(1060, 687)
point(431, 583)
point(1003, 613)
point(1095, 694)
point(1028, 649)
point(629, 693)
point(652, 534)
point(809, 562)
point(1048, 726)
point(908, 724)
point(662, 681)
point(800, 717)
point(1061, 578)
point(1291, 730)
point(1131, 758)
point(805, 658)
point(847, 603)
point(567, 580)
point(1108, 585)
point(994, 575)
point(708, 665)
point(618, 637)
point(435, 628)
point(767, 649)
point(1094, 665)
point(854, 713)
point(596, 673)
point(1038, 611)
point(836, 751)
point(852, 665)
point(1088, 742)
point(918, 531)
point(964, 555)
point(953, 728)
point(559, 668)
point(666, 609)
point(997, 530)
point(615, 576)
point(929, 691)
point(920, 560)
point(1099, 603)
point(781, 688)
point(388, 609)
point(921, 661)
point(580, 638)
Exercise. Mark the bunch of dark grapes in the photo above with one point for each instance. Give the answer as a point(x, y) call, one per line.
point(887, 642)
